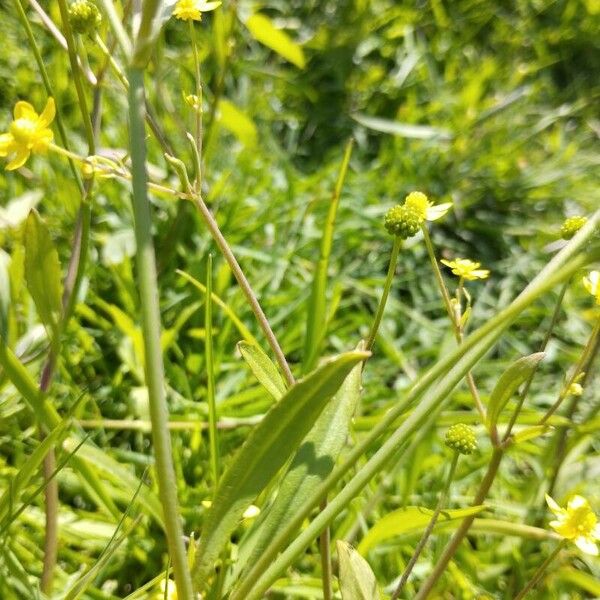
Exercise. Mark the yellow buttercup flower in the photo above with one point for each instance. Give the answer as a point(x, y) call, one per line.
point(426, 209)
point(577, 522)
point(592, 285)
point(466, 269)
point(28, 133)
point(191, 10)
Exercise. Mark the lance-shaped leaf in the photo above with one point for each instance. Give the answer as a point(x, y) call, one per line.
point(313, 462)
point(263, 368)
point(510, 381)
point(357, 581)
point(265, 451)
point(42, 272)
point(410, 520)
point(263, 30)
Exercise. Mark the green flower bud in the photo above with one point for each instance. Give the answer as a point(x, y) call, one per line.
point(84, 17)
point(460, 437)
point(403, 221)
point(571, 226)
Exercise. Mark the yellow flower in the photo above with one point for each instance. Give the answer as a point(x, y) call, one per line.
point(169, 587)
point(467, 269)
point(575, 389)
point(592, 285)
point(191, 10)
point(28, 133)
point(426, 209)
point(577, 522)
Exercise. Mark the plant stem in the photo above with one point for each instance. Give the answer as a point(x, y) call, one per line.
point(462, 531)
point(525, 390)
point(386, 290)
point(539, 573)
point(210, 379)
point(591, 343)
point(427, 533)
point(198, 108)
point(458, 334)
point(216, 234)
point(153, 364)
point(325, 551)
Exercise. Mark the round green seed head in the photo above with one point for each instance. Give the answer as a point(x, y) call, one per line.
point(84, 17)
point(571, 226)
point(403, 221)
point(461, 438)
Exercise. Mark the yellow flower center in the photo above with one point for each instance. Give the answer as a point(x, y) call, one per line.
point(581, 521)
point(418, 202)
point(24, 131)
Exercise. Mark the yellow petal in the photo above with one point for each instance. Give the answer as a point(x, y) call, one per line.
point(576, 502)
point(43, 138)
point(6, 139)
point(19, 159)
point(554, 507)
point(49, 113)
point(437, 211)
point(24, 110)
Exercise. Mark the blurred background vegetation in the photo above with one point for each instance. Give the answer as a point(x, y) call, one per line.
point(492, 105)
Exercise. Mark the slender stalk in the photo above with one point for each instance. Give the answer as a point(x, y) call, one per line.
point(462, 531)
point(197, 108)
point(583, 359)
point(525, 390)
point(455, 320)
point(146, 277)
point(245, 285)
point(427, 533)
point(540, 572)
point(215, 460)
point(386, 291)
point(325, 551)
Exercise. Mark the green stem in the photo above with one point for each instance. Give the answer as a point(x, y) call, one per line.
point(197, 109)
point(325, 551)
point(427, 533)
point(210, 378)
point(243, 282)
point(525, 391)
point(154, 369)
point(462, 531)
point(583, 359)
point(540, 572)
point(458, 334)
point(386, 290)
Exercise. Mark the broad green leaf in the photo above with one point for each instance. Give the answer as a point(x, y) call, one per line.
point(237, 122)
point(407, 130)
point(42, 272)
point(410, 520)
point(509, 382)
point(314, 460)
point(263, 30)
point(263, 368)
point(265, 451)
point(357, 581)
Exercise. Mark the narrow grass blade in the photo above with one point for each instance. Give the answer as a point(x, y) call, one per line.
point(263, 368)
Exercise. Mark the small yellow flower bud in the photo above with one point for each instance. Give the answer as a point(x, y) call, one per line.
point(571, 226)
point(84, 17)
point(461, 438)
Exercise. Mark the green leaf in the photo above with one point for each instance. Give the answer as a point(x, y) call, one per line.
point(42, 272)
point(357, 581)
point(509, 382)
point(263, 368)
point(265, 451)
point(406, 130)
point(237, 122)
point(313, 462)
point(410, 520)
point(530, 433)
point(582, 580)
point(263, 31)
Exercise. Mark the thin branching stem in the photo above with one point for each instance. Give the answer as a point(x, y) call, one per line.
point(537, 577)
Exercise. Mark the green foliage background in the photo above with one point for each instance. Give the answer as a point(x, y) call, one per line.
point(492, 105)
